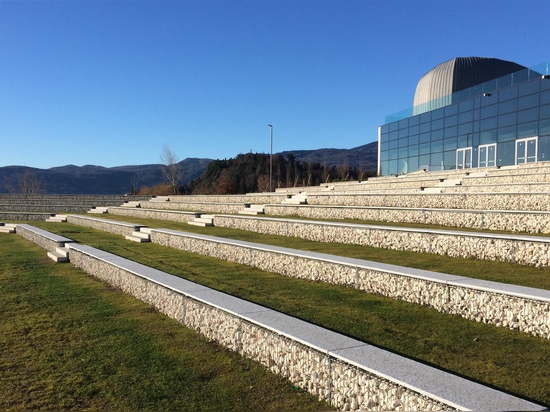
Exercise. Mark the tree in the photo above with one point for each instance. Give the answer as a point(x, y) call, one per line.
point(170, 168)
point(30, 184)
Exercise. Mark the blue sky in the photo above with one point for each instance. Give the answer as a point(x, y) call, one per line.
point(110, 82)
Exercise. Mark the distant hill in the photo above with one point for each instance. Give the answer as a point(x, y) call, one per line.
point(363, 157)
point(90, 179)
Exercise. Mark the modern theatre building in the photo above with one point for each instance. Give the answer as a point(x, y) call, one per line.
point(470, 112)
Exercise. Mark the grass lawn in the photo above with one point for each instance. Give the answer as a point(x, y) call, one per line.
point(69, 342)
point(509, 360)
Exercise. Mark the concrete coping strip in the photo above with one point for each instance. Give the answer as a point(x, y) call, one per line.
point(171, 211)
point(108, 221)
point(524, 238)
point(445, 278)
point(419, 209)
point(45, 234)
point(443, 386)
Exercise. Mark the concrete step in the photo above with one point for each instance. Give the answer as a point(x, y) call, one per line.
point(431, 189)
point(297, 199)
point(140, 237)
point(133, 203)
point(202, 220)
point(60, 254)
point(476, 174)
point(57, 218)
point(160, 199)
point(252, 210)
point(449, 182)
point(99, 210)
point(7, 228)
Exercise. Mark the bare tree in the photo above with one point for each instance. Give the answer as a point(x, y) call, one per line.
point(30, 184)
point(170, 168)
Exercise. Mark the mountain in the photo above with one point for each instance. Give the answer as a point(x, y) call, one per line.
point(90, 179)
point(363, 157)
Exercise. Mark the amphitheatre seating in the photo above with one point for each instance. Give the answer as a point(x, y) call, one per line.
point(488, 199)
point(50, 204)
point(489, 302)
point(131, 231)
point(348, 373)
point(55, 245)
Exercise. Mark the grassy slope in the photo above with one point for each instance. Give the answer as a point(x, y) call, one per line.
point(69, 342)
point(506, 359)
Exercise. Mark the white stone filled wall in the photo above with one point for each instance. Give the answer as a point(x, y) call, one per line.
point(112, 227)
point(528, 222)
point(482, 201)
point(501, 309)
point(343, 385)
point(470, 246)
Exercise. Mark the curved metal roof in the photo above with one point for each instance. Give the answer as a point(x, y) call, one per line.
point(458, 74)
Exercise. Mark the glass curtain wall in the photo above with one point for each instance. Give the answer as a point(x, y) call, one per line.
point(503, 127)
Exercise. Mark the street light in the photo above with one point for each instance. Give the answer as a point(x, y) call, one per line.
point(270, 154)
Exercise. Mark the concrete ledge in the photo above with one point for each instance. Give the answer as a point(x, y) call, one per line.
point(511, 306)
point(504, 220)
point(519, 249)
point(113, 226)
point(484, 201)
point(346, 372)
point(172, 215)
point(47, 240)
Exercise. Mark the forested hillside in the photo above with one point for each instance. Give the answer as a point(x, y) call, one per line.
point(250, 173)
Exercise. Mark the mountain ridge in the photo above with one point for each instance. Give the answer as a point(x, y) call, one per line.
point(95, 179)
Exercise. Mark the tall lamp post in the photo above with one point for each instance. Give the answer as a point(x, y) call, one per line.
point(270, 154)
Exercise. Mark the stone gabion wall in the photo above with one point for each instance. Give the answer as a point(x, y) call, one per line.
point(152, 214)
point(528, 222)
point(195, 207)
point(524, 314)
point(255, 198)
point(487, 201)
point(535, 252)
point(45, 208)
point(343, 385)
point(27, 217)
point(504, 188)
point(43, 242)
point(111, 227)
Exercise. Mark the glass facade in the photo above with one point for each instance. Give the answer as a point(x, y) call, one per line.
point(506, 123)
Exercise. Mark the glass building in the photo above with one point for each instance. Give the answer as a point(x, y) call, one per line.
point(503, 120)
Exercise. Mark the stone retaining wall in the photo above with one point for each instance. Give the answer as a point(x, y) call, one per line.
point(23, 216)
point(119, 228)
point(450, 294)
point(514, 221)
point(171, 215)
point(347, 373)
point(195, 206)
point(49, 244)
point(483, 201)
point(524, 250)
point(332, 378)
point(524, 188)
point(256, 198)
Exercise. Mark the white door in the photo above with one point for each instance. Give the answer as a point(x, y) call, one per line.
point(464, 158)
point(487, 155)
point(526, 150)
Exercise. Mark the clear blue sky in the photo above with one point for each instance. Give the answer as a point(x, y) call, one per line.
point(110, 82)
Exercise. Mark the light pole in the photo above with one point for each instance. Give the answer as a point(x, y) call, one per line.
point(270, 154)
